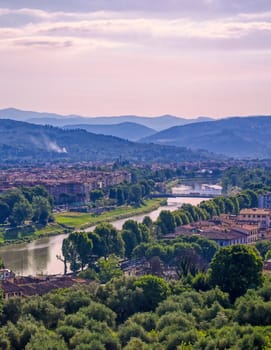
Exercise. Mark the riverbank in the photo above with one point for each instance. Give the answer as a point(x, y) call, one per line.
point(69, 221)
point(39, 256)
point(72, 220)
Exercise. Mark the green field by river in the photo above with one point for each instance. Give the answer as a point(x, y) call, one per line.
point(68, 221)
point(76, 220)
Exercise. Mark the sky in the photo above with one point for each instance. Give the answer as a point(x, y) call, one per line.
point(187, 58)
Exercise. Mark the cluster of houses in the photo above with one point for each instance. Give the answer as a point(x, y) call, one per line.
point(246, 228)
point(25, 286)
point(76, 181)
point(249, 226)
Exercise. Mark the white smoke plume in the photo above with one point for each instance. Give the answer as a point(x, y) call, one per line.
point(49, 145)
point(53, 146)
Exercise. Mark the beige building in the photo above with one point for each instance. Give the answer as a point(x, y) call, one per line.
point(261, 217)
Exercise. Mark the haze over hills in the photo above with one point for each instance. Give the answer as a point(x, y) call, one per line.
point(127, 131)
point(21, 141)
point(242, 137)
point(156, 123)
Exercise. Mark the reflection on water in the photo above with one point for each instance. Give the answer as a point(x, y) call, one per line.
point(39, 256)
point(35, 257)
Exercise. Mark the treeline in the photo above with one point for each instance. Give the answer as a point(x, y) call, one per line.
point(168, 221)
point(103, 248)
point(26, 203)
point(256, 179)
point(125, 193)
point(148, 312)
point(79, 249)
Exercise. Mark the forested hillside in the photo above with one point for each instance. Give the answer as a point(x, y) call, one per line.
point(24, 141)
point(126, 131)
point(248, 137)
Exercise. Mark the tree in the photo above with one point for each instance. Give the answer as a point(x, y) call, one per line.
point(130, 242)
point(235, 269)
point(47, 341)
point(76, 250)
point(155, 289)
point(12, 197)
point(122, 296)
point(133, 227)
point(147, 221)
point(4, 211)
point(263, 247)
point(111, 241)
point(135, 194)
point(41, 210)
point(108, 268)
point(166, 222)
point(94, 195)
point(120, 196)
point(21, 211)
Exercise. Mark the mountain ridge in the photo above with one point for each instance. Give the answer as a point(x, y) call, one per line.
point(235, 136)
point(23, 141)
point(157, 123)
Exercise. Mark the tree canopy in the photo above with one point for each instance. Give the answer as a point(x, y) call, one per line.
point(237, 268)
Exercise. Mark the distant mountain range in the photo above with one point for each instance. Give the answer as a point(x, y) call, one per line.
point(25, 142)
point(242, 137)
point(156, 123)
point(127, 131)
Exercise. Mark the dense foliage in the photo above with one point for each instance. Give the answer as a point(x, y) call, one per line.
point(256, 179)
point(138, 313)
point(25, 203)
point(137, 240)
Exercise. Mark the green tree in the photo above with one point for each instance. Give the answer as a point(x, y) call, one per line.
point(77, 249)
point(235, 269)
point(120, 196)
point(1, 263)
point(4, 211)
point(135, 194)
point(21, 211)
point(122, 296)
point(111, 241)
point(46, 340)
point(41, 210)
point(155, 289)
point(108, 268)
point(94, 195)
point(130, 242)
point(166, 222)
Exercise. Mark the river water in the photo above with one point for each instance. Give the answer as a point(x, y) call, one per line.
point(39, 256)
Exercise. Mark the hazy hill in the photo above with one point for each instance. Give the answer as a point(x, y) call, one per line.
point(156, 123)
point(21, 141)
point(127, 131)
point(238, 137)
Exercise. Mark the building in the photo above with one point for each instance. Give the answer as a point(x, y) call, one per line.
point(261, 217)
point(264, 200)
point(28, 286)
point(6, 274)
point(225, 231)
point(70, 184)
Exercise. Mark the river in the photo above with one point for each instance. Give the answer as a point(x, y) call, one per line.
point(39, 256)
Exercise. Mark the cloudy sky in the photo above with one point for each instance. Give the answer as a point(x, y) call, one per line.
point(146, 57)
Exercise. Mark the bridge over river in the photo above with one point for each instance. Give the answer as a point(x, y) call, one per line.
point(191, 195)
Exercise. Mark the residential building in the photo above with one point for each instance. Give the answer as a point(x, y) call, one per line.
point(264, 200)
point(261, 217)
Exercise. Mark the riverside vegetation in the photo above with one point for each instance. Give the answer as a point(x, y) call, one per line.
point(216, 303)
point(148, 312)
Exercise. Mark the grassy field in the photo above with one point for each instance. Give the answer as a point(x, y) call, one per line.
point(83, 220)
point(50, 229)
point(68, 221)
